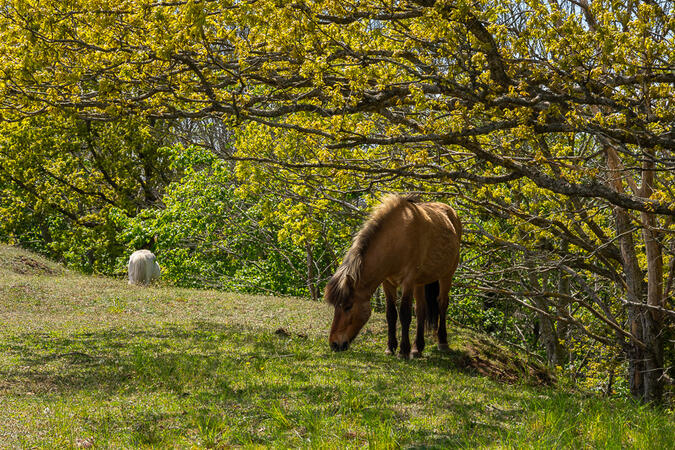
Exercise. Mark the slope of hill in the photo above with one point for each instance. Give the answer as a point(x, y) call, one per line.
point(90, 361)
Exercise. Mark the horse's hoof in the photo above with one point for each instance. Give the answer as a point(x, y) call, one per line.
point(443, 348)
point(415, 354)
point(388, 352)
point(403, 356)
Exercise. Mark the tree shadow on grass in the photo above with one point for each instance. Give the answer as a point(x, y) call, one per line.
point(277, 380)
point(104, 358)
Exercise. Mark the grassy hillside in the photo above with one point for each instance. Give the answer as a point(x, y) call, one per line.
point(92, 362)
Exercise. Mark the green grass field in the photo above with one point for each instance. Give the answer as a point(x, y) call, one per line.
point(90, 362)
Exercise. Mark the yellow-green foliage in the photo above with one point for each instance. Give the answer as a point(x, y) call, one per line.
point(508, 111)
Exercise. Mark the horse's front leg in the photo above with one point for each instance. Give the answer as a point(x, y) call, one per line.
point(405, 313)
point(421, 313)
point(392, 317)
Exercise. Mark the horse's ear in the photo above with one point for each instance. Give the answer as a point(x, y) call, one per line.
point(346, 287)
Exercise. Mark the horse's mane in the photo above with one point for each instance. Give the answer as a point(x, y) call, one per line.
point(342, 283)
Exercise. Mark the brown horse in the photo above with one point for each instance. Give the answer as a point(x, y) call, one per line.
point(404, 243)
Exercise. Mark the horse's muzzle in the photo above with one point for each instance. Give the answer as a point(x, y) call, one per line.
point(339, 347)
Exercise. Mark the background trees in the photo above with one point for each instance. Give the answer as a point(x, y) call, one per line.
point(550, 125)
point(61, 176)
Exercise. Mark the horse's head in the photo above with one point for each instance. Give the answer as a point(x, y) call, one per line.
point(352, 311)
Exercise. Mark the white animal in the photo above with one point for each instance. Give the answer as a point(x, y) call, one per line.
point(143, 267)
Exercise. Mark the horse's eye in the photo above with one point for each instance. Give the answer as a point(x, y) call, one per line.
point(348, 307)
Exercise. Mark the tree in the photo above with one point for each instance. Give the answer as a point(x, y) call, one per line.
point(569, 102)
point(61, 176)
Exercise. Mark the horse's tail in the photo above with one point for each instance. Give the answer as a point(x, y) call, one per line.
point(431, 292)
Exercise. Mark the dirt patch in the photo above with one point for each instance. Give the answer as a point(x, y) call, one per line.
point(25, 265)
point(285, 333)
point(503, 366)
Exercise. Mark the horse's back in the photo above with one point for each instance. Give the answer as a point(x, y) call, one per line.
point(439, 234)
point(445, 217)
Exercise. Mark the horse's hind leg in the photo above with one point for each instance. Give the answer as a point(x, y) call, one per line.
point(443, 300)
point(392, 316)
point(405, 314)
point(421, 313)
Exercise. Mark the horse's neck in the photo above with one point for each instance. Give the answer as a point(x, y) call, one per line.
point(376, 268)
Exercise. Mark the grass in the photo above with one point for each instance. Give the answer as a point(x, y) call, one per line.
point(92, 362)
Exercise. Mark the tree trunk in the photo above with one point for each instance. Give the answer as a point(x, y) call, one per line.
point(562, 327)
point(633, 277)
point(547, 325)
point(549, 337)
point(311, 278)
point(645, 351)
point(652, 321)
